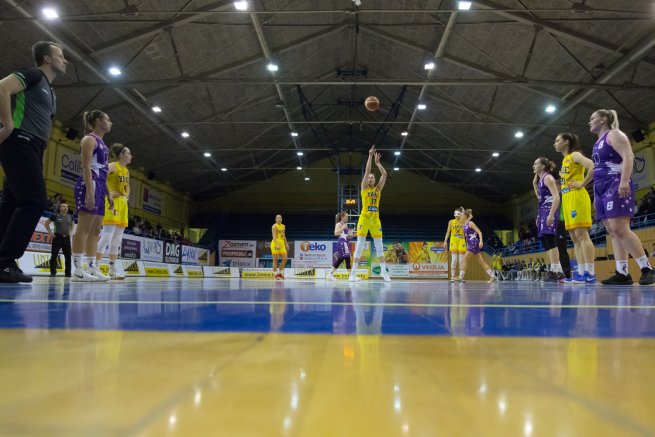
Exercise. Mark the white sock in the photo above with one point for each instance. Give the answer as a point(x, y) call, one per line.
point(91, 261)
point(383, 268)
point(557, 268)
point(622, 266)
point(581, 269)
point(78, 260)
point(643, 262)
point(461, 274)
point(590, 268)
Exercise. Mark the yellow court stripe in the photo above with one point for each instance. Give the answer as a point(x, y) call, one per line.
point(278, 302)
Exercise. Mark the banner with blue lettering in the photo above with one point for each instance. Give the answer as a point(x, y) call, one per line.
point(313, 253)
point(70, 166)
point(152, 250)
point(195, 255)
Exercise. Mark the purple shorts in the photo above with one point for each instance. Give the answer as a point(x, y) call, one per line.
point(542, 226)
point(608, 203)
point(473, 246)
point(100, 194)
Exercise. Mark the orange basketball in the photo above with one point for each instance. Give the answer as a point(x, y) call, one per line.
point(372, 103)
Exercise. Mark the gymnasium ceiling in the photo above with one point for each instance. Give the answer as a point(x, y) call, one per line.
point(497, 67)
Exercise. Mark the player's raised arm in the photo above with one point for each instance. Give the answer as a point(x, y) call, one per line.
point(367, 172)
point(383, 172)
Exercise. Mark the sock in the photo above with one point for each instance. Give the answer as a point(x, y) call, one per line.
point(557, 268)
point(622, 266)
point(78, 260)
point(590, 268)
point(112, 267)
point(643, 262)
point(581, 268)
point(461, 274)
point(383, 269)
point(91, 261)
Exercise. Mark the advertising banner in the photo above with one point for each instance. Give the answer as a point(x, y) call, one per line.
point(193, 271)
point(70, 166)
point(256, 273)
point(396, 257)
point(313, 254)
point(220, 272)
point(35, 263)
point(152, 250)
point(642, 174)
point(133, 268)
point(267, 263)
point(156, 269)
point(263, 250)
point(194, 255)
point(237, 253)
point(172, 252)
point(131, 247)
point(428, 259)
point(41, 240)
point(152, 200)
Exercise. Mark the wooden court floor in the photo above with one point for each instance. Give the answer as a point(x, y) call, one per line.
point(235, 357)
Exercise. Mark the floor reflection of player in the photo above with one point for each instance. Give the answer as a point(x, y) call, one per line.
point(462, 319)
point(278, 306)
point(343, 314)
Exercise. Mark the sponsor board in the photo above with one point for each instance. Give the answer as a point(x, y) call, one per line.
point(176, 270)
point(220, 272)
point(313, 253)
point(304, 273)
point(193, 271)
point(70, 166)
point(257, 274)
point(35, 263)
point(152, 250)
point(267, 263)
point(192, 255)
point(41, 241)
point(133, 268)
point(237, 253)
point(172, 252)
point(394, 270)
point(263, 249)
point(156, 270)
point(152, 200)
point(428, 259)
point(131, 247)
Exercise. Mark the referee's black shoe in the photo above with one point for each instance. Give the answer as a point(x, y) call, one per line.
point(647, 276)
point(12, 274)
point(618, 279)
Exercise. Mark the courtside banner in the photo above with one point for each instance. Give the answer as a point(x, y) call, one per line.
point(70, 166)
point(156, 269)
point(152, 200)
point(428, 259)
point(152, 250)
point(237, 253)
point(194, 255)
point(304, 273)
point(176, 270)
point(131, 247)
point(193, 271)
point(267, 263)
point(41, 241)
point(220, 272)
point(132, 268)
point(394, 270)
point(38, 263)
point(342, 274)
point(172, 252)
point(252, 273)
point(313, 254)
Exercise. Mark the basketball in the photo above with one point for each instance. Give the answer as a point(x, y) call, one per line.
point(372, 103)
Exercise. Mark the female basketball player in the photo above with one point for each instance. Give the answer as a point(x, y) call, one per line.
point(115, 221)
point(545, 188)
point(369, 218)
point(614, 199)
point(279, 246)
point(90, 193)
point(576, 205)
point(474, 243)
point(457, 246)
point(343, 250)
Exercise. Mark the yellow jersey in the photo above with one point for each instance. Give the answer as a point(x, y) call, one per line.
point(456, 229)
point(119, 179)
point(279, 231)
point(570, 172)
point(371, 202)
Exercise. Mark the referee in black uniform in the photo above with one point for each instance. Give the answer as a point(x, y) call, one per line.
point(27, 109)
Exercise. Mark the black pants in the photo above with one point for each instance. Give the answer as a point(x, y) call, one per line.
point(60, 242)
point(564, 258)
point(24, 196)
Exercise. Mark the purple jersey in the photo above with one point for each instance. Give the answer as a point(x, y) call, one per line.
point(607, 162)
point(472, 239)
point(99, 170)
point(343, 249)
point(543, 209)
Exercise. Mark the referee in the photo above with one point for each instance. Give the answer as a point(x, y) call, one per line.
point(27, 109)
point(61, 240)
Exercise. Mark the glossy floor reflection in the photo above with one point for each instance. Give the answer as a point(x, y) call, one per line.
point(238, 357)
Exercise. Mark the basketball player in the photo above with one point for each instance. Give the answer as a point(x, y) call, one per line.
point(115, 221)
point(279, 246)
point(457, 246)
point(576, 205)
point(614, 199)
point(369, 218)
point(90, 193)
point(343, 250)
point(545, 188)
point(474, 243)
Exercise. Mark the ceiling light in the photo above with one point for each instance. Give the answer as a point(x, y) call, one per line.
point(518, 134)
point(396, 168)
point(50, 13)
point(429, 66)
point(271, 67)
point(495, 154)
point(405, 133)
point(223, 169)
point(421, 106)
point(550, 109)
point(478, 169)
point(185, 134)
point(241, 6)
point(156, 109)
point(397, 153)
point(299, 168)
point(464, 6)
point(207, 155)
point(294, 134)
point(306, 179)
point(299, 153)
point(115, 71)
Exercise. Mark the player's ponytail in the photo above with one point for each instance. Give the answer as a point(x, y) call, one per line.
point(611, 116)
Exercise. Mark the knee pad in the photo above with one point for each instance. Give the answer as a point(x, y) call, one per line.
point(379, 250)
point(359, 247)
point(105, 239)
point(116, 241)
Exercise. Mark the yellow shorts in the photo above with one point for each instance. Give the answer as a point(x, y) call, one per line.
point(576, 207)
point(282, 248)
point(367, 224)
point(118, 214)
point(457, 245)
